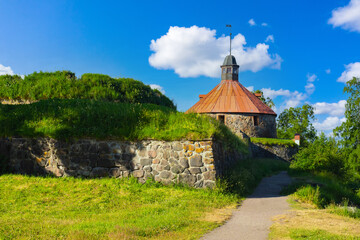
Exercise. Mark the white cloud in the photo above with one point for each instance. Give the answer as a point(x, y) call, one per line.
point(264, 24)
point(295, 99)
point(328, 71)
point(196, 51)
point(270, 38)
point(311, 77)
point(158, 87)
point(347, 17)
point(268, 92)
point(291, 99)
point(5, 70)
point(351, 70)
point(250, 88)
point(310, 88)
point(329, 123)
point(252, 22)
point(333, 109)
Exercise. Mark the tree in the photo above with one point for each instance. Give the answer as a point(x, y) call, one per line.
point(349, 131)
point(297, 120)
point(268, 101)
point(321, 155)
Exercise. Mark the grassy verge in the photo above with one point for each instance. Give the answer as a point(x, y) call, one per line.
point(274, 141)
point(64, 119)
point(321, 189)
point(324, 207)
point(308, 222)
point(69, 208)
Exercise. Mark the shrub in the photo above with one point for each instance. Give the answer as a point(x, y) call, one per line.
point(321, 155)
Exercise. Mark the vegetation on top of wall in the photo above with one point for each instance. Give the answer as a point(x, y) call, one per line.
point(65, 85)
point(274, 141)
point(66, 119)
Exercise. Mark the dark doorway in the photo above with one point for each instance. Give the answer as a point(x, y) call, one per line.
point(221, 118)
point(256, 120)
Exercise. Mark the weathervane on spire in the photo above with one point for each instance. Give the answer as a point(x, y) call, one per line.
point(229, 25)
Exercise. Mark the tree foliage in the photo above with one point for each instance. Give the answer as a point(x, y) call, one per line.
point(321, 155)
point(349, 131)
point(297, 120)
point(65, 85)
point(268, 101)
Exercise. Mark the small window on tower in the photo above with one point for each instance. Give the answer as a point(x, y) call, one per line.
point(256, 120)
point(228, 70)
point(224, 70)
point(235, 70)
point(221, 118)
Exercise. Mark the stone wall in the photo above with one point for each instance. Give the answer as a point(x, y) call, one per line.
point(283, 152)
point(16, 102)
point(241, 124)
point(196, 163)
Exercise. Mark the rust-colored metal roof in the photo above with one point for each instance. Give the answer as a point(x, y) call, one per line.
point(230, 97)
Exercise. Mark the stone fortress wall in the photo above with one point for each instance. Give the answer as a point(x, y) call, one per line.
point(196, 163)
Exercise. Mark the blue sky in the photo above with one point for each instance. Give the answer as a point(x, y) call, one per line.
point(296, 51)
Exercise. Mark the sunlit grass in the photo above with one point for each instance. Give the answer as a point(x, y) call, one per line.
point(66, 119)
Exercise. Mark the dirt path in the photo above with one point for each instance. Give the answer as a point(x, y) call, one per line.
point(253, 219)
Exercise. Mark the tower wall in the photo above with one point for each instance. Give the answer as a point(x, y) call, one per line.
point(255, 125)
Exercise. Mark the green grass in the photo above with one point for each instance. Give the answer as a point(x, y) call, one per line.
point(344, 210)
point(66, 119)
point(317, 235)
point(321, 189)
point(274, 141)
point(54, 208)
point(73, 208)
point(65, 85)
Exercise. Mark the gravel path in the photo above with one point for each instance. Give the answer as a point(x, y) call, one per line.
point(252, 219)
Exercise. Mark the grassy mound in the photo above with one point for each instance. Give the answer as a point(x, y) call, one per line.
point(64, 85)
point(65, 119)
point(274, 141)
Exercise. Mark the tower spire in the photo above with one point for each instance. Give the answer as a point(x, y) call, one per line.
point(229, 25)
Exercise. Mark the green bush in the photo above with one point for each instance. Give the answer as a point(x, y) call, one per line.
point(65, 85)
point(66, 119)
point(321, 155)
point(353, 162)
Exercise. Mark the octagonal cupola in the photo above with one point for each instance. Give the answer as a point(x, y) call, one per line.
point(230, 69)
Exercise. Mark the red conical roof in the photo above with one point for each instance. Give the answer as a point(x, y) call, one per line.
point(230, 97)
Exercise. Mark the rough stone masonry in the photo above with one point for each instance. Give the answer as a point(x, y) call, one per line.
point(196, 163)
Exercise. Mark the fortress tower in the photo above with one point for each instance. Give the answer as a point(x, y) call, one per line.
point(235, 106)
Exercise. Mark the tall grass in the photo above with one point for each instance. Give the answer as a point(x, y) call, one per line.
point(321, 189)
